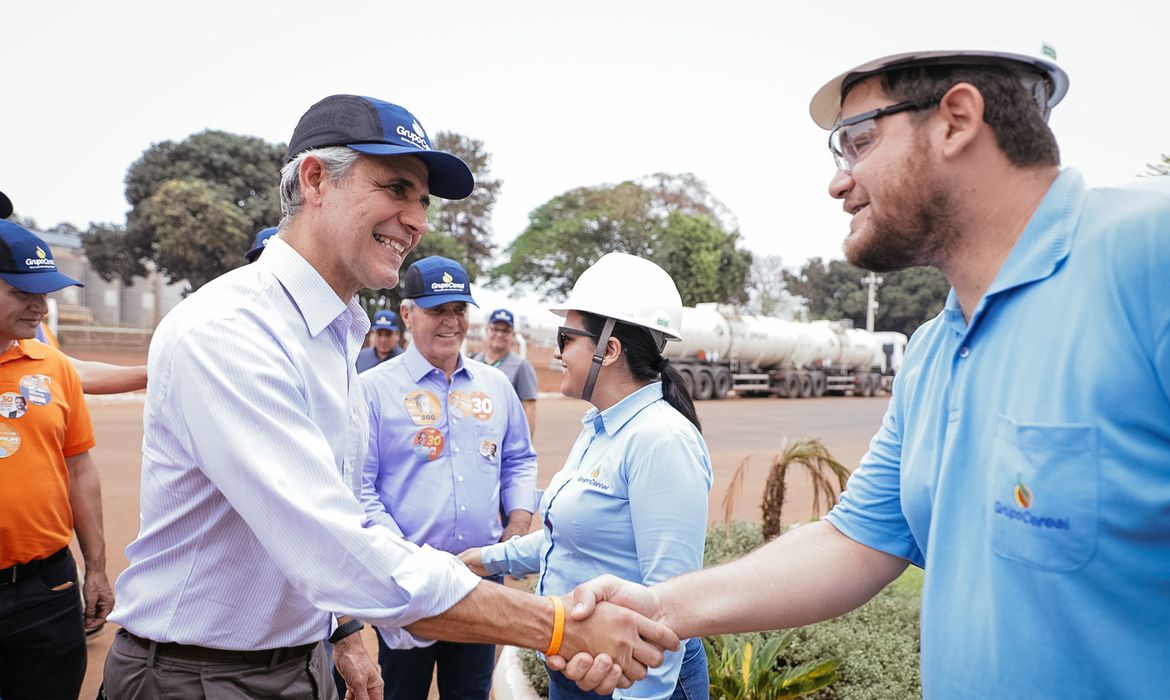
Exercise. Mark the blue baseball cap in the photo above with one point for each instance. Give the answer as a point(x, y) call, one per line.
point(385, 320)
point(5, 206)
point(503, 316)
point(260, 242)
point(26, 262)
point(436, 280)
point(379, 128)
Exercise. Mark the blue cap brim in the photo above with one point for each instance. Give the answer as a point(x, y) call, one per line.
point(393, 329)
point(430, 302)
point(39, 282)
point(448, 176)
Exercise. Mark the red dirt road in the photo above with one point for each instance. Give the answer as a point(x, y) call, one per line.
point(735, 429)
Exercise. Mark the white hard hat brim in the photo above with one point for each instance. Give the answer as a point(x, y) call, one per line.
point(825, 106)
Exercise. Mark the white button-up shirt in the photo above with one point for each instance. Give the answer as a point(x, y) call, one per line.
point(255, 431)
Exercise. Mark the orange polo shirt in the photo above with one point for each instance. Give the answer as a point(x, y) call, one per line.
point(43, 420)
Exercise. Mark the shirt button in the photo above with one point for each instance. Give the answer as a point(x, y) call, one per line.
point(964, 351)
point(456, 449)
point(462, 507)
point(459, 537)
point(459, 478)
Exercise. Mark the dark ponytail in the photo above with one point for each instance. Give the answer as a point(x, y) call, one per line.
point(647, 364)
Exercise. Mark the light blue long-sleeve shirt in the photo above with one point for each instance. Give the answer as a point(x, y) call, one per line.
point(443, 458)
point(251, 532)
point(631, 501)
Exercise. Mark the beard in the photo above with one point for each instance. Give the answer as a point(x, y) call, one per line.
point(917, 226)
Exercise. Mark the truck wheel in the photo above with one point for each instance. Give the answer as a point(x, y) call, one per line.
point(688, 380)
point(722, 377)
point(818, 384)
point(791, 386)
point(704, 384)
point(806, 387)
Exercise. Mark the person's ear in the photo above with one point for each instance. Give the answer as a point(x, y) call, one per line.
point(613, 351)
point(961, 110)
point(312, 177)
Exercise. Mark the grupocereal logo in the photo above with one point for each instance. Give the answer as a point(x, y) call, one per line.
point(447, 285)
point(41, 261)
point(591, 480)
point(1022, 495)
point(414, 135)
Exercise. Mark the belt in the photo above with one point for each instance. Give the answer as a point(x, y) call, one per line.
point(191, 652)
point(19, 572)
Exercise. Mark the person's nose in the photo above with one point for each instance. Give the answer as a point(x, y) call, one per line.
point(840, 185)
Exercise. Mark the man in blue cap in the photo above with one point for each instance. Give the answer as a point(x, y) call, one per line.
point(501, 331)
point(50, 488)
point(449, 451)
point(251, 540)
point(384, 345)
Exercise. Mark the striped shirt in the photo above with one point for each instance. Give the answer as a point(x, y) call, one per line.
point(255, 431)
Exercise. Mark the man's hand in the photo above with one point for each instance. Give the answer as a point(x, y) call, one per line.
point(362, 678)
point(519, 523)
point(471, 559)
point(99, 598)
point(599, 673)
point(616, 645)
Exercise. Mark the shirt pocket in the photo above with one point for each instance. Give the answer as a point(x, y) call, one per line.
point(488, 446)
point(1045, 493)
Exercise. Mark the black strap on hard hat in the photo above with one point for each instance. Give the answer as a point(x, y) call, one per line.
point(598, 358)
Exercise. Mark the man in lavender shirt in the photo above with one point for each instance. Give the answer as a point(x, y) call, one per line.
point(449, 445)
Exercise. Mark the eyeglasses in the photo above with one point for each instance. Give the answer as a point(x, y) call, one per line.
point(564, 332)
point(852, 138)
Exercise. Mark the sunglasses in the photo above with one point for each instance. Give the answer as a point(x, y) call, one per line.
point(852, 138)
point(564, 332)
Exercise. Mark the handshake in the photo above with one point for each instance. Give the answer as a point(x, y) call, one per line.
point(604, 635)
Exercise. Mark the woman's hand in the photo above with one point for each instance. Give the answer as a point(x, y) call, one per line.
point(472, 560)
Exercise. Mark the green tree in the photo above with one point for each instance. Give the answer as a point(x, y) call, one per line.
point(835, 291)
point(1159, 169)
point(195, 205)
point(468, 221)
point(670, 219)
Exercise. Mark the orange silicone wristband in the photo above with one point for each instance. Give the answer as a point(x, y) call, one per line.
point(558, 625)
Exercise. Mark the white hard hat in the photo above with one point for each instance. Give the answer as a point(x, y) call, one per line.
point(629, 289)
point(1047, 82)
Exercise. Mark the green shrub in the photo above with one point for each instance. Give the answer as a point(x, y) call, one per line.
point(752, 667)
point(729, 541)
point(535, 671)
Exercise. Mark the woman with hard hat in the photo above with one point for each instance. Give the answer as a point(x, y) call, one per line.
point(631, 499)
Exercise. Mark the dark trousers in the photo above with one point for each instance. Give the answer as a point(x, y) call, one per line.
point(465, 670)
point(42, 640)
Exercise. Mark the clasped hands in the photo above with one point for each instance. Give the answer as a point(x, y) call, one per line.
point(614, 631)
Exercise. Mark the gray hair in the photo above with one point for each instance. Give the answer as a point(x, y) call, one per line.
point(337, 161)
point(408, 303)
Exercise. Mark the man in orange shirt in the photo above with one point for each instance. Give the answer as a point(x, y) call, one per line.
point(50, 489)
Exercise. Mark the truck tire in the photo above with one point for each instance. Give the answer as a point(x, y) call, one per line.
point(722, 377)
point(791, 386)
point(688, 380)
point(818, 384)
point(806, 387)
point(704, 384)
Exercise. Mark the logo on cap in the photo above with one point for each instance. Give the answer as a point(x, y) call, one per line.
point(41, 262)
point(418, 137)
point(447, 285)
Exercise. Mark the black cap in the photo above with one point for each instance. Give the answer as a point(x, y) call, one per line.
point(379, 128)
point(5, 206)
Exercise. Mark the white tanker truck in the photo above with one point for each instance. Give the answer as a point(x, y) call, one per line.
point(724, 350)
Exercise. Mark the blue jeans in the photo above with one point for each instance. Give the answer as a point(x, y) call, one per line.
point(42, 638)
point(465, 670)
point(693, 683)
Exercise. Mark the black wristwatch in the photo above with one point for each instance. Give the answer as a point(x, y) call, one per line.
point(345, 630)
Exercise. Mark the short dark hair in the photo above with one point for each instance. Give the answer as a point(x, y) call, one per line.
point(1012, 113)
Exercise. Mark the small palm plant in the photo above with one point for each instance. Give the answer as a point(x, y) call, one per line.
point(747, 667)
point(828, 479)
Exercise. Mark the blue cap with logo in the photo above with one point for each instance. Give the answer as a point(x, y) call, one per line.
point(436, 280)
point(503, 316)
point(27, 263)
point(379, 128)
point(385, 321)
point(260, 242)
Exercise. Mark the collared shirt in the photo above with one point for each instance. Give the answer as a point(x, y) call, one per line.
point(43, 421)
point(368, 358)
point(251, 533)
point(518, 371)
point(443, 457)
point(1024, 461)
point(631, 501)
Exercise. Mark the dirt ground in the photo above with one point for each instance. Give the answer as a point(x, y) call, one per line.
point(735, 429)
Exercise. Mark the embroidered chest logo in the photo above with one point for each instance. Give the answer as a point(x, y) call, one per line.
point(592, 480)
point(1020, 510)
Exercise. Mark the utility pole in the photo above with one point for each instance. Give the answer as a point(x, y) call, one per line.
point(871, 305)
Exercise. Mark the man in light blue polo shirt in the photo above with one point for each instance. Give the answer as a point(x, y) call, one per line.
point(449, 451)
point(1024, 460)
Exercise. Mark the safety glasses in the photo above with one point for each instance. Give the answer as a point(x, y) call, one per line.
point(564, 332)
point(852, 138)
